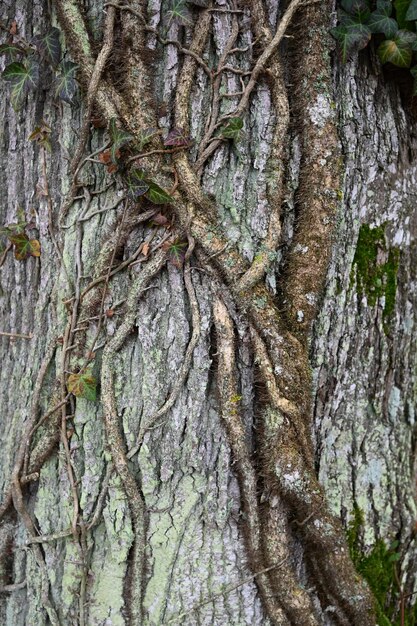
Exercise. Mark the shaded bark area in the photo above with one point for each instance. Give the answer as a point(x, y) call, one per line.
point(364, 374)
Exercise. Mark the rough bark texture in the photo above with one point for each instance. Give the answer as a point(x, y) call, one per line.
point(363, 351)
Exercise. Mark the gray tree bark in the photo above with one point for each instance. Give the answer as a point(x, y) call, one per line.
point(362, 350)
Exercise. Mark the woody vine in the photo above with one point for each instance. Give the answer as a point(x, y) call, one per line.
point(159, 174)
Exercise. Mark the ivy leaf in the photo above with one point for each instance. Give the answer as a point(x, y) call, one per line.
point(355, 7)
point(156, 194)
point(411, 11)
point(233, 128)
point(23, 77)
point(83, 385)
point(180, 12)
point(351, 36)
point(49, 46)
point(380, 20)
point(137, 184)
point(65, 83)
point(177, 137)
point(146, 135)
point(176, 251)
point(119, 138)
point(401, 8)
point(398, 50)
point(24, 247)
point(11, 48)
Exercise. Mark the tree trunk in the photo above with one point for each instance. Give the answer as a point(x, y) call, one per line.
point(257, 333)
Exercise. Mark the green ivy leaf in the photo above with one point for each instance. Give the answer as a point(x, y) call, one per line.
point(49, 46)
point(137, 184)
point(11, 48)
point(355, 7)
point(23, 77)
point(233, 129)
point(83, 385)
point(65, 83)
point(156, 194)
point(119, 138)
point(146, 135)
point(180, 13)
point(398, 50)
point(411, 14)
point(351, 37)
point(401, 9)
point(176, 251)
point(380, 20)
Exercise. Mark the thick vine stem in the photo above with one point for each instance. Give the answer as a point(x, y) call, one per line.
point(93, 86)
point(107, 98)
point(318, 195)
point(291, 600)
point(115, 439)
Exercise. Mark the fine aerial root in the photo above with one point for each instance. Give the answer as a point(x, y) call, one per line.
point(115, 439)
point(286, 602)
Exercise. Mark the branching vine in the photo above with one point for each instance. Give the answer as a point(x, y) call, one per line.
point(276, 475)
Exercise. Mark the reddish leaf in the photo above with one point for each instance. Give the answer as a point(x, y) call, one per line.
point(105, 156)
point(112, 168)
point(177, 137)
point(159, 220)
point(145, 249)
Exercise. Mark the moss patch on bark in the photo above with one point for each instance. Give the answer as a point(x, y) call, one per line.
point(376, 267)
point(379, 567)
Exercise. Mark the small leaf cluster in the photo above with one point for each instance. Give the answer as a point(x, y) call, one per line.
point(137, 181)
point(29, 60)
point(23, 245)
point(392, 23)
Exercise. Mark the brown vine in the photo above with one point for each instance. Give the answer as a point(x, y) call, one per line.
point(283, 464)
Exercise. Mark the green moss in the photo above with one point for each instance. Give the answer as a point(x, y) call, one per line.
point(379, 568)
point(376, 277)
